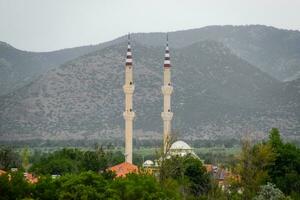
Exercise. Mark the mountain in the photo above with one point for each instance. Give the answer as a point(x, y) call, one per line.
point(216, 95)
point(274, 51)
point(18, 68)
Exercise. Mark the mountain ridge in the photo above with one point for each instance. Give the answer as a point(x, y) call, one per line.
point(216, 94)
point(274, 51)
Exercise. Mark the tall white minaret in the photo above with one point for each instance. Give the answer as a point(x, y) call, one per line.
point(128, 114)
point(167, 90)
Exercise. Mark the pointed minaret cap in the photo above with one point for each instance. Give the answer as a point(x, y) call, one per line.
point(129, 54)
point(167, 62)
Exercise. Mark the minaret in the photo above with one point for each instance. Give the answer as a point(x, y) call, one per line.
point(167, 90)
point(128, 114)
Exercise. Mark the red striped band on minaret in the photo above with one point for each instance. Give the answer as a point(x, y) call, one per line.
point(129, 54)
point(167, 62)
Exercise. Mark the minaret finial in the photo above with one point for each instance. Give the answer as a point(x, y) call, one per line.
point(129, 54)
point(167, 62)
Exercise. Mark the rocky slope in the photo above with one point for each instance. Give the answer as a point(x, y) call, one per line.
point(274, 51)
point(18, 68)
point(217, 95)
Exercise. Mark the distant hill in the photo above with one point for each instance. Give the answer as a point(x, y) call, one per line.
point(274, 51)
point(18, 68)
point(217, 94)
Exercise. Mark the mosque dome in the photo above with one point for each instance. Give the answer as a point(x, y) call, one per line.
point(148, 163)
point(180, 145)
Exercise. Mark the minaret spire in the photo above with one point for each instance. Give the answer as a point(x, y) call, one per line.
point(167, 90)
point(128, 113)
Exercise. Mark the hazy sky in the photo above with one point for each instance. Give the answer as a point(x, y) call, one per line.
point(44, 25)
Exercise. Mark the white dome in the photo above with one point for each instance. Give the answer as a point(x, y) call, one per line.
point(180, 145)
point(148, 163)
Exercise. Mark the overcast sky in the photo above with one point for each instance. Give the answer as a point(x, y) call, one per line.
point(45, 25)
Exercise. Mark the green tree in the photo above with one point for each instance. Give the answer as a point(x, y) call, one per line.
point(143, 187)
point(285, 172)
point(87, 185)
point(46, 188)
point(14, 186)
point(55, 166)
point(95, 161)
point(25, 158)
point(252, 166)
point(270, 192)
point(191, 176)
point(9, 158)
point(199, 180)
point(74, 161)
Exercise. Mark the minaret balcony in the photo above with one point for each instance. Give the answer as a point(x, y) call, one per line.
point(128, 89)
point(167, 89)
point(129, 115)
point(167, 116)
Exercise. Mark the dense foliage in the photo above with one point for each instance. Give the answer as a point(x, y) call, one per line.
point(285, 172)
point(9, 158)
point(189, 174)
point(270, 161)
point(74, 161)
point(266, 170)
point(85, 185)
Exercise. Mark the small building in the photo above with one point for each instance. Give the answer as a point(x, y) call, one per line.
point(123, 169)
point(180, 148)
point(148, 163)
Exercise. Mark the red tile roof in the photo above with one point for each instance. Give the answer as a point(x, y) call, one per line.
point(2, 172)
point(209, 167)
point(30, 178)
point(124, 168)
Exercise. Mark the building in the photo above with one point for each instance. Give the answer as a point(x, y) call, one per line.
point(123, 169)
point(180, 148)
point(148, 163)
point(128, 113)
point(167, 90)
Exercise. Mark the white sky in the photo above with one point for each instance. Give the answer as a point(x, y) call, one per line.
point(44, 25)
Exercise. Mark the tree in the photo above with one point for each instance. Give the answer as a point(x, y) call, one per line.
point(199, 180)
point(8, 158)
point(14, 186)
point(87, 185)
point(95, 161)
point(191, 176)
point(139, 186)
point(270, 192)
point(94, 186)
point(55, 166)
point(188, 172)
point(285, 172)
point(252, 166)
point(46, 188)
point(25, 158)
point(75, 161)
point(275, 139)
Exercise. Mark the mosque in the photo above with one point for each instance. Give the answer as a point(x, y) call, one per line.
point(179, 148)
